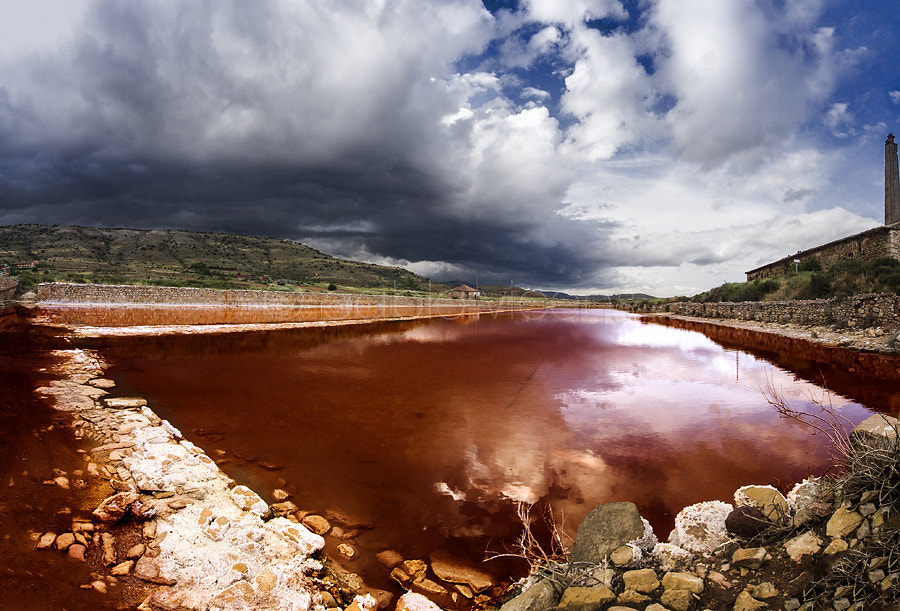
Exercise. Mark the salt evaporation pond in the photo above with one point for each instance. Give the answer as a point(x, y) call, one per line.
point(428, 431)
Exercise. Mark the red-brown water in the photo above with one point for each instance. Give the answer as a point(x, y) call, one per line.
point(429, 430)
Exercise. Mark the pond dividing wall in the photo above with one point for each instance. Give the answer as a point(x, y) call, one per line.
point(858, 311)
point(115, 306)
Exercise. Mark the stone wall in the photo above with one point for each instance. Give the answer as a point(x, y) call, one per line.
point(119, 306)
point(868, 245)
point(860, 311)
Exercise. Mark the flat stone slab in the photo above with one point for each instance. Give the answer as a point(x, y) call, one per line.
point(124, 402)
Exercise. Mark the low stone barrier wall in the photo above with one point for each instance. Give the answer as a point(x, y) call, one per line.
point(120, 306)
point(859, 311)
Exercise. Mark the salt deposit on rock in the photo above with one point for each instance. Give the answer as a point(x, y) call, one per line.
point(211, 547)
point(700, 528)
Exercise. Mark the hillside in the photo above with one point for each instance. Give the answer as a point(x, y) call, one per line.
point(43, 253)
point(812, 281)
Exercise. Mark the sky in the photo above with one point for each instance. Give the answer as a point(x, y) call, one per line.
point(587, 146)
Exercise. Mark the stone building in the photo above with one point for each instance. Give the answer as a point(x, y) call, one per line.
point(869, 245)
point(464, 291)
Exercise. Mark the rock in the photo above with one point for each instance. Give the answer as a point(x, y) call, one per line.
point(746, 521)
point(836, 546)
point(586, 599)
point(399, 575)
point(115, 507)
point(842, 523)
point(122, 569)
point(670, 557)
point(316, 523)
point(765, 591)
point(683, 581)
point(631, 597)
point(622, 555)
point(792, 604)
point(766, 498)
point(416, 568)
point(108, 547)
point(641, 580)
point(247, 500)
point(700, 528)
point(124, 402)
point(46, 540)
point(749, 558)
point(266, 581)
point(346, 550)
point(745, 602)
point(281, 495)
point(62, 482)
point(76, 550)
point(428, 587)
point(539, 597)
point(284, 508)
point(148, 570)
point(451, 570)
point(389, 558)
point(802, 545)
point(879, 430)
point(677, 600)
point(605, 528)
point(64, 541)
point(653, 607)
point(136, 551)
point(415, 602)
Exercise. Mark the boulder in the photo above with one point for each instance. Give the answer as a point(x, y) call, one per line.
point(605, 528)
point(539, 597)
point(749, 557)
point(683, 581)
point(809, 500)
point(765, 591)
point(632, 597)
point(451, 570)
point(64, 541)
point(586, 599)
point(700, 528)
point(46, 540)
point(641, 580)
point(877, 429)
point(677, 600)
point(389, 558)
point(746, 521)
point(415, 602)
point(842, 523)
point(745, 602)
point(622, 555)
point(114, 508)
point(316, 523)
point(802, 545)
point(670, 557)
point(766, 498)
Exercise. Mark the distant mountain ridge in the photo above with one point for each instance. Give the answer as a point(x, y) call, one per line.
point(40, 253)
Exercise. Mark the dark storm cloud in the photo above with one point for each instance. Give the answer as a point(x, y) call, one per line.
point(426, 134)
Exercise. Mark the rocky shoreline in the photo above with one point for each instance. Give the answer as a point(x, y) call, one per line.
point(879, 340)
point(828, 544)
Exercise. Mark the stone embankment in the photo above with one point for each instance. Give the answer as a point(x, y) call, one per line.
point(123, 306)
point(865, 322)
point(828, 544)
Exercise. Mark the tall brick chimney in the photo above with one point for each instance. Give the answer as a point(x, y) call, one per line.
point(891, 182)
